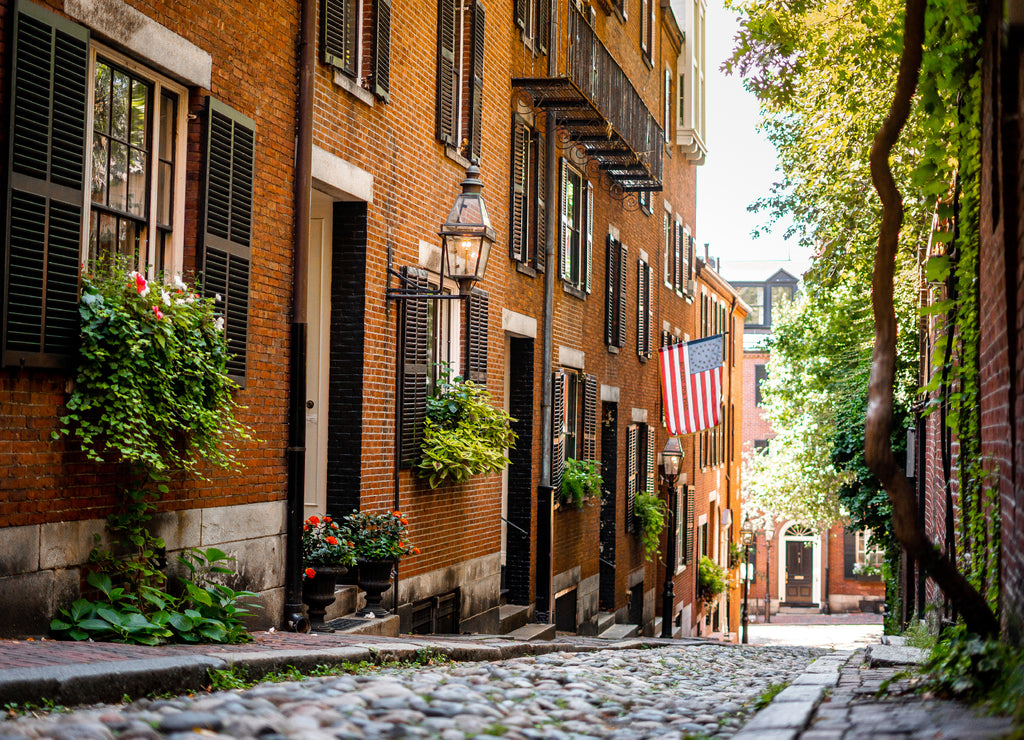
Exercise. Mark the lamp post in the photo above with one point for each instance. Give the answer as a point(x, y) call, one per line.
point(747, 536)
point(671, 463)
point(769, 535)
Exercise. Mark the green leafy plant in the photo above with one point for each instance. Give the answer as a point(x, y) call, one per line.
point(152, 388)
point(463, 434)
point(773, 690)
point(580, 481)
point(325, 542)
point(710, 578)
point(650, 513)
point(379, 536)
point(735, 555)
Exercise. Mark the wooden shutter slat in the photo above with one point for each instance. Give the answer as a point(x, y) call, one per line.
point(541, 247)
point(46, 187)
point(558, 397)
point(476, 77)
point(518, 231)
point(476, 336)
point(563, 268)
point(650, 311)
point(689, 524)
point(337, 33)
point(632, 433)
point(520, 13)
point(589, 191)
point(589, 417)
point(227, 225)
point(543, 21)
point(446, 92)
point(650, 459)
point(620, 340)
point(610, 277)
point(415, 353)
point(677, 255)
point(382, 49)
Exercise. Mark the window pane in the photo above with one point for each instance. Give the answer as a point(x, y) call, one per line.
point(101, 98)
point(118, 175)
point(139, 103)
point(138, 182)
point(753, 296)
point(168, 125)
point(100, 153)
point(165, 193)
point(120, 106)
point(781, 295)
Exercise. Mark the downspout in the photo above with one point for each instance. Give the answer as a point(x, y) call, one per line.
point(294, 615)
point(545, 495)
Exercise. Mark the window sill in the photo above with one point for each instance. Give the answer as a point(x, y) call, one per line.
point(525, 269)
point(453, 154)
point(574, 291)
point(612, 349)
point(350, 86)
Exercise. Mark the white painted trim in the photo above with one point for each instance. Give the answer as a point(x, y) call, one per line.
point(613, 232)
point(815, 540)
point(609, 393)
point(639, 416)
point(340, 179)
point(574, 358)
point(116, 21)
point(518, 324)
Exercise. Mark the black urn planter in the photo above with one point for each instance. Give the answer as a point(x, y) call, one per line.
point(318, 592)
point(374, 577)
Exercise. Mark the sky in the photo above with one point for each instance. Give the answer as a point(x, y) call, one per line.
point(740, 165)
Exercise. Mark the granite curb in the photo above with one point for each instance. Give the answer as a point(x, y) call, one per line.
point(112, 680)
point(792, 709)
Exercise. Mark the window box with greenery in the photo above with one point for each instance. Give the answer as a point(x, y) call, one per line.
point(581, 482)
point(463, 434)
point(650, 515)
point(711, 580)
point(152, 396)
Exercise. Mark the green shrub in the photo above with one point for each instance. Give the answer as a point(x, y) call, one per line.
point(711, 579)
point(650, 513)
point(580, 481)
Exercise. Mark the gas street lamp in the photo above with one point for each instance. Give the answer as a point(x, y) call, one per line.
point(747, 535)
point(671, 464)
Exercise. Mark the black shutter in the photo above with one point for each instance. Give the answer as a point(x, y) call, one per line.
point(849, 553)
point(476, 336)
point(690, 490)
point(563, 241)
point(446, 92)
point(649, 340)
point(679, 525)
point(227, 224)
point(677, 253)
point(760, 375)
point(558, 383)
point(620, 339)
point(540, 212)
point(476, 79)
point(644, 314)
point(414, 335)
point(689, 260)
point(382, 49)
point(588, 191)
point(611, 273)
point(649, 459)
point(46, 182)
point(337, 34)
point(589, 417)
point(518, 230)
point(543, 21)
point(520, 11)
point(632, 463)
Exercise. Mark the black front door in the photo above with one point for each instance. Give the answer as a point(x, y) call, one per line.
point(799, 562)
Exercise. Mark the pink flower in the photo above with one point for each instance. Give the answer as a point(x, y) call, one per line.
point(141, 286)
point(309, 572)
point(158, 312)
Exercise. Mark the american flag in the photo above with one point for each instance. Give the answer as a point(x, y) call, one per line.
point(691, 380)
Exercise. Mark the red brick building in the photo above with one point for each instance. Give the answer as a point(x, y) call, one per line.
point(361, 140)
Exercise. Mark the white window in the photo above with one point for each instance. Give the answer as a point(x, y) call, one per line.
point(691, 134)
point(136, 165)
point(444, 334)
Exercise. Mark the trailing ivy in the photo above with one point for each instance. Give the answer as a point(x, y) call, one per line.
point(650, 512)
point(581, 481)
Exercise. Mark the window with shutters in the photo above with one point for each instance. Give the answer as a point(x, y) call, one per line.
point(460, 71)
point(355, 40)
point(860, 560)
point(578, 415)
point(644, 310)
point(528, 204)
point(577, 229)
point(645, 199)
point(666, 238)
point(667, 108)
point(632, 474)
point(444, 333)
point(616, 270)
point(136, 166)
point(414, 351)
point(532, 19)
point(647, 30)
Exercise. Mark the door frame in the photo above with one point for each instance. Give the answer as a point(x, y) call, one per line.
point(815, 542)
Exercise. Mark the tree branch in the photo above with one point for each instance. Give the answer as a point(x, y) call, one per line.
point(877, 443)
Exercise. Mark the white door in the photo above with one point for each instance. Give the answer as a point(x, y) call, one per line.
point(318, 318)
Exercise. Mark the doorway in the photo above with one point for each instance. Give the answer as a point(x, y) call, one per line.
point(517, 501)
point(609, 476)
point(799, 561)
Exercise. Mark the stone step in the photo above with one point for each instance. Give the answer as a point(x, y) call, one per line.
point(533, 632)
point(511, 617)
point(620, 632)
point(604, 620)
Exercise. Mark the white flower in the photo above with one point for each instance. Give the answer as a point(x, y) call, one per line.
point(165, 297)
point(217, 298)
point(179, 301)
point(177, 283)
point(219, 323)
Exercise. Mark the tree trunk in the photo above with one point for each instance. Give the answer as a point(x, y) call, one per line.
point(878, 427)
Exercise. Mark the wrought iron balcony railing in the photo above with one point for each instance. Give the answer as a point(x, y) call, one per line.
point(598, 108)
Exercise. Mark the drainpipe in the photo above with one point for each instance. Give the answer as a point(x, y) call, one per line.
point(545, 494)
point(294, 613)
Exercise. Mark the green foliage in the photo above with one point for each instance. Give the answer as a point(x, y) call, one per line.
point(735, 555)
point(378, 536)
point(650, 513)
point(710, 579)
point(580, 481)
point(918, 635)
point(325, 542)
point(773, 690)
point(151, 388)
point(463, 434)
point(205, 612)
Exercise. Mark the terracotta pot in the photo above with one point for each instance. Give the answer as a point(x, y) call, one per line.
point(318, 592)
point(374, 577)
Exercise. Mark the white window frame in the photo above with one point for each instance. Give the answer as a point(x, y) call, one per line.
point(173, 261)
point(444, 328)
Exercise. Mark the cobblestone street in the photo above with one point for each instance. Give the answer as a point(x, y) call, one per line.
point(690, 690)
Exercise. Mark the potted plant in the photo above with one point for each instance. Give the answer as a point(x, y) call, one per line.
point(735, 555)
point(711, 579)
point(379, 542)
point(650, 514)
point(326, 554)
point(463, 433)
point(580, 481)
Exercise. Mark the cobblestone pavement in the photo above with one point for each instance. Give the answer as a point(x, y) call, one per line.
point(665, 692)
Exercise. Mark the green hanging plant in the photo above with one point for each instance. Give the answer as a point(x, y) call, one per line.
point(580, 481)
point(711, 579)
point(650, 512)
point(463, 435)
